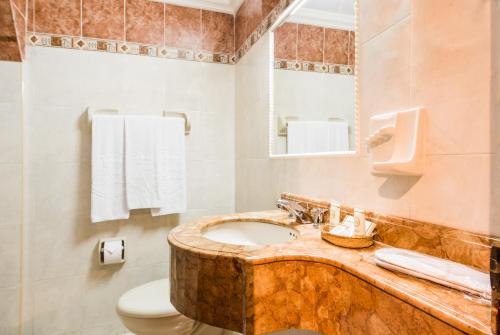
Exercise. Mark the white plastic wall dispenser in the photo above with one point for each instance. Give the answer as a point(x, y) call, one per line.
point(396, 143)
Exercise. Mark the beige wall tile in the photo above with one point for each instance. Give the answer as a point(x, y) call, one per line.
point(10, 194)
point(451, 73)
point(10, 132)
point(377, 16)
point(9, 309)
point(454, 191)
point(384, 71)
point(10, 255)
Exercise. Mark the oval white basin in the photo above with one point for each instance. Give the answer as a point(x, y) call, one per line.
point(249, 233)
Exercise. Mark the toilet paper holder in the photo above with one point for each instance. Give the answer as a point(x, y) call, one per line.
point(111, 250)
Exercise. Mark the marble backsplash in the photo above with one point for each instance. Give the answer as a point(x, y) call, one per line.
point(457, 245)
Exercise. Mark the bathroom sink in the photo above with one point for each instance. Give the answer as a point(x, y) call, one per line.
point(252, 233)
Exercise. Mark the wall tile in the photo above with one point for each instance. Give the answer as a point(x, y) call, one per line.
point(254, 15)
point(103, 19)
point(10, 255)
point(310, 43)
point(20, 23)
point(217, 32)
point(144, 22)
point(337, 44)
point(21, 6)
point(388, 89)
point(9, 49)
point(285, 41)
point(10, 132)
point(10, 194)
point(182, 27)
point(377, 16)
point(240, 26)
point(454, 191)
point(268, 6)
point(352, 48)
point(58, 17)
point(9, 309)
point(462, 105)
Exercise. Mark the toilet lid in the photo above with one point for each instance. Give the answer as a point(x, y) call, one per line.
point(148, 301)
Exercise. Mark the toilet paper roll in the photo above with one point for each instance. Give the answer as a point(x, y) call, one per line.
point(113, 252)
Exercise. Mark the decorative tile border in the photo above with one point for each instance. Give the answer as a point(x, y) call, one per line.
point(313, 67)
point(89, 44)
point(262, 28)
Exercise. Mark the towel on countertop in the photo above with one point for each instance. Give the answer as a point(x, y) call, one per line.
point(108, 197)
point(441, 271)
point(155, 164)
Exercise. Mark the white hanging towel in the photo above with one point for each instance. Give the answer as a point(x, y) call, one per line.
point(155, 166)
point(317, 136)
point(108, 198)
point(441, 271)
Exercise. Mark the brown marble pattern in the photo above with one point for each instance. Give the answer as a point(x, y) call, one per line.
point(193, 294)
point(310, 42)
point(9, 50)
point(182, 27)
point(103, 19)
point(379, 300)
point(336, 46)
point(268, 6)
point(285, 41)
point(352, 48)
point(20, 23)
point(218, 32)
point(144, 21)
point(440, 241)
point(313, 296)
point(57, 17)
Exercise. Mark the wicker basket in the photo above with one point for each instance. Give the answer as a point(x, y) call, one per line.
point(346, 242)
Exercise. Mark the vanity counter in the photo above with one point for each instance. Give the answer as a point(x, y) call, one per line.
point(308, 283)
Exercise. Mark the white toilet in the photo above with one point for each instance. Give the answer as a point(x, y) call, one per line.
point(146, 310)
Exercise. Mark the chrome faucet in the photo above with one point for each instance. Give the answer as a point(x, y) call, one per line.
point(300, 214)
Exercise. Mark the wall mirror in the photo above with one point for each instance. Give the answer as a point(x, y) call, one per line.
point(313, 100)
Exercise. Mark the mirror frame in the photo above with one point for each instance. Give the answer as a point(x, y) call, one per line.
point(290, 10)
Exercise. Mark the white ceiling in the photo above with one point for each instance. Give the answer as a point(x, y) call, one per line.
point(345, 7)
point(338, 14)
point(225, 6)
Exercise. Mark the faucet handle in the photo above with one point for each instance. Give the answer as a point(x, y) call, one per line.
point(317, 216)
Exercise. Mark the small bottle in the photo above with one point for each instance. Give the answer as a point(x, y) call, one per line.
point(359, 222)
point(334, 213)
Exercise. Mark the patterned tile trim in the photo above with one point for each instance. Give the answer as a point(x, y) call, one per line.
point(262, 28)
point(83, 43)
point(313, 67)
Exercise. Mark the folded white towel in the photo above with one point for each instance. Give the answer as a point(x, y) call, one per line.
point(108, 198)
point(441, 271)
point(155, 164)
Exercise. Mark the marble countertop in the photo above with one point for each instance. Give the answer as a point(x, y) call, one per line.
point(466, 313)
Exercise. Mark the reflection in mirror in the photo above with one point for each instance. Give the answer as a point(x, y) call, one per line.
point(313, 79)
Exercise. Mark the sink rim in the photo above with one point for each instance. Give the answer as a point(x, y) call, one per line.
point(287, 226)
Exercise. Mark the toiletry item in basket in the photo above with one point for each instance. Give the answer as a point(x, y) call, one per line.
point(359, 222)
point(334, 213)
point(347, 228)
